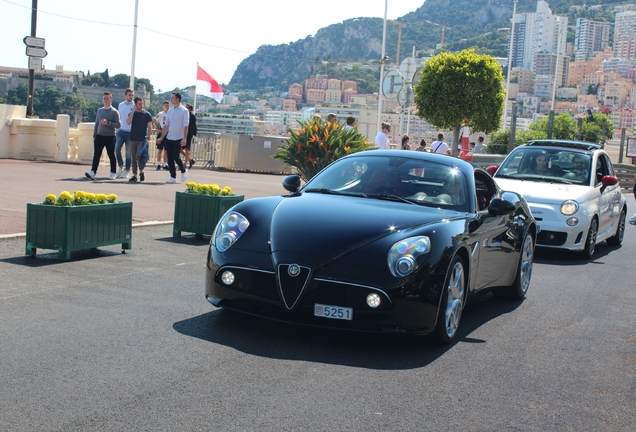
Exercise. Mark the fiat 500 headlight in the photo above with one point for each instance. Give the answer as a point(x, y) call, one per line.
point(231, 226)
point(403, 255)
point(569, 207)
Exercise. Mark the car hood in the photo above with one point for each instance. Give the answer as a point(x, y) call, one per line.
point(330, 226)
point(543, 192)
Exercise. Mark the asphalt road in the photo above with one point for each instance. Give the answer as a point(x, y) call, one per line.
point(111, 341)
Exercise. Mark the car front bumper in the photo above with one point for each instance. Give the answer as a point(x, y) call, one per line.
point(554, 230)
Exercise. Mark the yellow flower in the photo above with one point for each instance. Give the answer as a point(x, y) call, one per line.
point(79, 194)
point(215, 188)
point(51, 197)
point(66, 195)
point(112, 197)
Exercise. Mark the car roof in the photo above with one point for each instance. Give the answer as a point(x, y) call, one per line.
point(580, 145)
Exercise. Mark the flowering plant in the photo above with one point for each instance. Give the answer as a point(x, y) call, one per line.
point(207, 189)
point(78, 198)
point(318, 143)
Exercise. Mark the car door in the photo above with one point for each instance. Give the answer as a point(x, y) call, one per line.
point(608, 196)
point(496, 243)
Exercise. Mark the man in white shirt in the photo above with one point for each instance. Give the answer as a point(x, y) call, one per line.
point(123, 133)
point(160, 122)
point(440, 146)
point(382, 138)
point(351, 121)
point(174, 134)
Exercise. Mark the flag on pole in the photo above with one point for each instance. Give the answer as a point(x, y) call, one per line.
point(207, 86)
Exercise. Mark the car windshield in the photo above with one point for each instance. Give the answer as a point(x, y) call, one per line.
point(547, 164)
point(411, 181)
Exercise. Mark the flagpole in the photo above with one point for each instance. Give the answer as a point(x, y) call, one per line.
point(194, 106)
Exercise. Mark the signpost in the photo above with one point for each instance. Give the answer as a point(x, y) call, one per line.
point(36, 52)
point(35, 63)
point(33, 41)
point(392, 84)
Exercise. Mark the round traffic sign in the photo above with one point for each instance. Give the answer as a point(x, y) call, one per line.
point(392, 83)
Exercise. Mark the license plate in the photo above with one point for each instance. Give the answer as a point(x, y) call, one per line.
point(334, 312)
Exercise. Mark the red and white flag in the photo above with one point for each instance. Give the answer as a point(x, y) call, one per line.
point(207, 86)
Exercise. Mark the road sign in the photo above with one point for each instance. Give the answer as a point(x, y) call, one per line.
point(35, 63)
point(36, 52)
point(407, 68)
point(33, 41)
point(392, 83)
point(406, 97)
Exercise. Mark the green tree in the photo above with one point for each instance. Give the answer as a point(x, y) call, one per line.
point(93, 80)
point(121, 81)
point(16, 96)
point(564, 127)
point(462, 87)
point(592, 130)
point(48, 102)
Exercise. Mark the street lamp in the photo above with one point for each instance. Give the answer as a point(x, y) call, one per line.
point(385, 58)
point(512, 37)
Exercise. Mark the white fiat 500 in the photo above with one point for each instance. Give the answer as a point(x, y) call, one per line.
point(572, 192)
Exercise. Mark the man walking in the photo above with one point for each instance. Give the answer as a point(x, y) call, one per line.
point(160, 120)
point(440, 146)
point(123, 134)
point(140, 129)
point(175, 134)
point(382, 138)
point(192, 131)
point(106, 121)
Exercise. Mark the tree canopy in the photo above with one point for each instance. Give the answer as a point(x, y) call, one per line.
point(461, 88)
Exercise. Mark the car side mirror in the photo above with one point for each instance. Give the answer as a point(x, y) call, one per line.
point(491, 169)
point(292, 183)
point(609, 180)
point(500, 207)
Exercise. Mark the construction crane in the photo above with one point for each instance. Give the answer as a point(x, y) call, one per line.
point(443, 27)
point(400, 25)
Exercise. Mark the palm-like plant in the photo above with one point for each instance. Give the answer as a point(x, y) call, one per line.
point(318, 143)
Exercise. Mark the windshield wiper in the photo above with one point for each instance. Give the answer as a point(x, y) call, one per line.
point(328, 191)
point(390, 197)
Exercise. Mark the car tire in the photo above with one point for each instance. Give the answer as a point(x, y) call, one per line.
point(452, 302)
point(590, 240)
point(617, 238)
point(520, 286)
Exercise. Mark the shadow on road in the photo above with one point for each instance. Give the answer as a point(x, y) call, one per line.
point(42, 259)
point(562, 257)
point(272, 339)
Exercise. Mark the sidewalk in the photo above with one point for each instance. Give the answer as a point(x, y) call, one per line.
point(153, 200)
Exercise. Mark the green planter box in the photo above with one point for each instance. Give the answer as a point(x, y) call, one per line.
point(199, 214)
point(66, 229)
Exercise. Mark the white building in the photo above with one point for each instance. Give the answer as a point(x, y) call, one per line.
point(590, 38)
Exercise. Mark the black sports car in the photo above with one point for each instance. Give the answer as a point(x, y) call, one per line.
point(386, 240)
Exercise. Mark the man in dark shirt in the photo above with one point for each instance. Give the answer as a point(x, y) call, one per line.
point(140, 130)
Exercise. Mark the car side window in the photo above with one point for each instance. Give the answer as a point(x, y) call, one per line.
point(485, 190)
point(603, 168)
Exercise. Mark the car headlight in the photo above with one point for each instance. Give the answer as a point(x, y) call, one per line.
point(569, 207)
point(403, 255)
point(231, 226)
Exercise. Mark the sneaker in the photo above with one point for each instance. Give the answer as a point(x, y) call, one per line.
point(184, 176)
point(192, 162)
point(125, 174)
point(172, 180)
point(166, 167)
point(633, 218)
point(120, 172)
point(158, 167)
point(133, 179)
point(112, 176)
point(142, 177)
point(90, 175)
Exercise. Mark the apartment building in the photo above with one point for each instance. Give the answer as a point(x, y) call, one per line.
point(590, 38)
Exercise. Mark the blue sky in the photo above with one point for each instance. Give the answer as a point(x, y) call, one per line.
point(172, 36)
